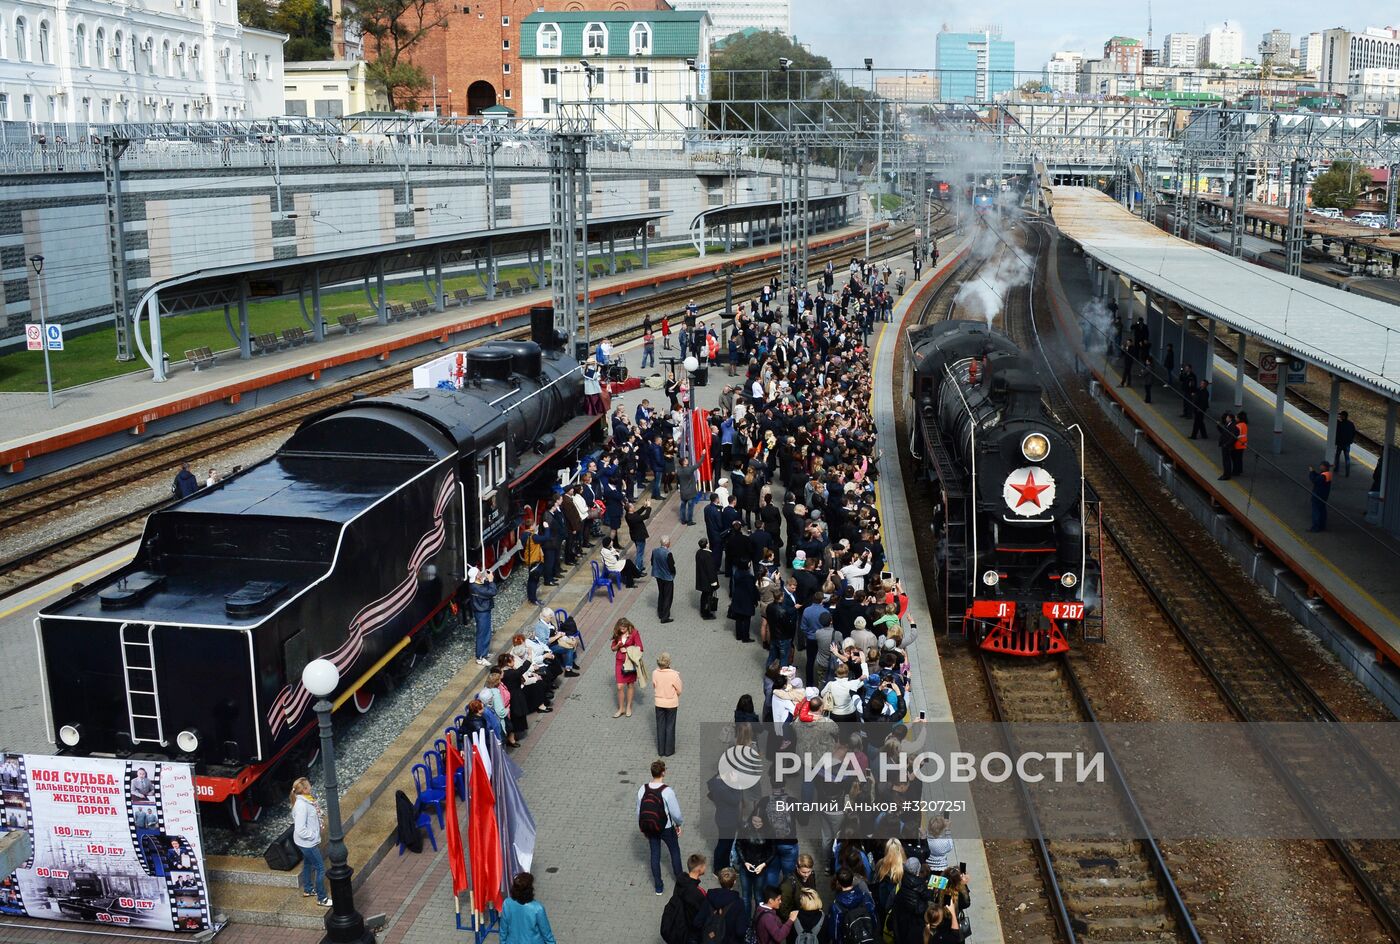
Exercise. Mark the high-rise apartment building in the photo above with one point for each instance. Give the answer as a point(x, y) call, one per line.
point(1275, 48)
point(1221, 46)
point(1345, 52)
point(1062, 72)
point(975, 66)
point(1123, 55)
point(1181, 50)
point(1310, 52)
point(731, 16)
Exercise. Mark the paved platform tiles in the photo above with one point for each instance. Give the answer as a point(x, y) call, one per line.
point(1351, 562)
point(119, 403)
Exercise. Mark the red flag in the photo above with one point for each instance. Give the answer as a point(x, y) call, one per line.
point(483, 839)
point(456, 855)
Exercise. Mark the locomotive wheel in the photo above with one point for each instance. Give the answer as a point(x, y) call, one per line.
point(503, 547)
point(436, 624)
point(363, 699)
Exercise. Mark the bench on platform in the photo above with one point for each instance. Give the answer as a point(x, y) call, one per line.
point(265, 343)
point(523, 285)
point(397, 313)
point(350, 323)
point(294, 337)
point(463, 296)
point(201, 357)
point(421, 307)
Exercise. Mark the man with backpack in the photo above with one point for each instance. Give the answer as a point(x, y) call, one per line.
point(659, 818)
point(852, 913)
point(723, 919)
point(687, 899)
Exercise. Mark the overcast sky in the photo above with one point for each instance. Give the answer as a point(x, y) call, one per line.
point(900, 33)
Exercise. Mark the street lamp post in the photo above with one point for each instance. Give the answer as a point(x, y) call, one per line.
point(344, 925)
point(37, 261)
point(728, 268)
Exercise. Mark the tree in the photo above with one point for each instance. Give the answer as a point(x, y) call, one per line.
point(1340, 185)
point(746, 71)
point(392, 28)
point(1032, 86)
point(307, 24)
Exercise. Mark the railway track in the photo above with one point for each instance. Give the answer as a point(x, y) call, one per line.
point(1223, 629)
point(1098, 889)
point(47, 500)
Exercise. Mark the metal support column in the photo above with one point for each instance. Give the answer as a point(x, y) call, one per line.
point(1239, 371)
point(788, 201)
point(113, 149)
point(1237, 214)
point(439, 293)
point(1178, 185)
point(567, 156)
point(1280, 401)
point(490, 270)
point(318, 323)
point(490, 149)
point(804, 222)
point(1392, 195)
point(1193, 171)
point(245, 339)
point(1209, 373)
point(1296, 237)
point(381, 299)
point(1334, 402)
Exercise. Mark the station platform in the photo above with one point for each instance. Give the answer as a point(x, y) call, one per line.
point(1271, 221)
point(591, 866)
point(1351, 566)
point(132, 406)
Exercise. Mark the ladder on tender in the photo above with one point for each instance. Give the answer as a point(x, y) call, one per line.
point(142, 692)
point(955, 533)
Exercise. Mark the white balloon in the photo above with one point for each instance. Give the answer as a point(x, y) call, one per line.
point(691, 364)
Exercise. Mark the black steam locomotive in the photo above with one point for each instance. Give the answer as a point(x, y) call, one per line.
point(345, 545)
point(1014, 557)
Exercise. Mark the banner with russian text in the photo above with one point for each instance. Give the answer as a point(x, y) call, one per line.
point(116, 842)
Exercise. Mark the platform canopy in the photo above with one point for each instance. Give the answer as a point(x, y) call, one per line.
point(1351, 336)
point(760, 210)
point(220, 285)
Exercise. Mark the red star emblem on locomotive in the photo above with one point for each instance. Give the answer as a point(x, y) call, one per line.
point(1029, 491)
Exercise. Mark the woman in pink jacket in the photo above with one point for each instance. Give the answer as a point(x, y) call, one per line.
point(666, 696)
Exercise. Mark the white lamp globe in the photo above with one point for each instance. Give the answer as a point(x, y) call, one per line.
point(691, 364)
point(320, 677)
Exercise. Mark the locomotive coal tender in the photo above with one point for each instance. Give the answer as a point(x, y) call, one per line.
point(346, 544)
point(1015, 533)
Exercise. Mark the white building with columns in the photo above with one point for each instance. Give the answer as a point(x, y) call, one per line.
point(92, 61)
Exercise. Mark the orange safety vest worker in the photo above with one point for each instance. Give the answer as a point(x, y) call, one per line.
point(1242, 435)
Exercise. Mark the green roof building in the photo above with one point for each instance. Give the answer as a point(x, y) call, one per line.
point(624, 70)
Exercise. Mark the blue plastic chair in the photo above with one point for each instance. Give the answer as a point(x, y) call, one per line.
point(600, 579)
point(424, 821)
point(561, 618)
point(429, 795)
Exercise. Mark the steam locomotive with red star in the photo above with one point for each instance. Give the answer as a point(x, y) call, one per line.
point(1016, 534)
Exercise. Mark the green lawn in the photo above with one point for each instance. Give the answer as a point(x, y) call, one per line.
point(90, 356)
point(890, 201)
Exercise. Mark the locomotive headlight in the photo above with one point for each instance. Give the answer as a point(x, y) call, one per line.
point(1068, 580)
point(1035, 447)
point(187, 741)
point(70, 735)
point(990, 578)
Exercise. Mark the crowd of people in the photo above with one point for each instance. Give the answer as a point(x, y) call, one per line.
point(793, 552)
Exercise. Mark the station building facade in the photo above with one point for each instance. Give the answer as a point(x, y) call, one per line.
point(90, 61)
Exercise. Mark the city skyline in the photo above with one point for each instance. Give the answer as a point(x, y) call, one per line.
point(899, 34)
